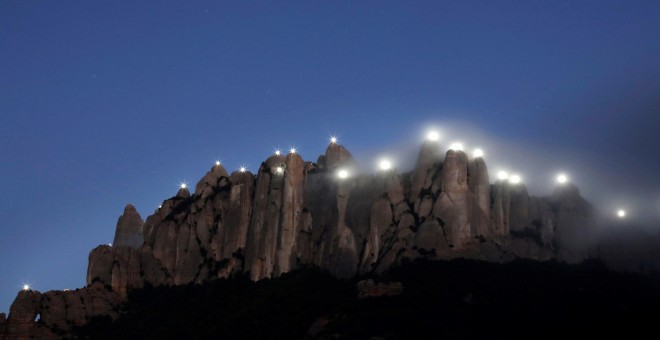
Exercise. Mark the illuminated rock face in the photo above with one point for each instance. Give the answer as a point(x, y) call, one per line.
point(273, 222)
point(270, 224)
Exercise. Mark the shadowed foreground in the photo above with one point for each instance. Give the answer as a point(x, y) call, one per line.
point(447, 299)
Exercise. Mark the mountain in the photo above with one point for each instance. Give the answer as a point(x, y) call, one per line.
point(293, 213)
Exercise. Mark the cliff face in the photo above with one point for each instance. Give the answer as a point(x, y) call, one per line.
point(294, 212)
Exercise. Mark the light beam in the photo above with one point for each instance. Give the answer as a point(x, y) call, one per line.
point(456, 146)
point(562, 178)
point(385, 165)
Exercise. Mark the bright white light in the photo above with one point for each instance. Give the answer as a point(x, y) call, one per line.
point(26, 286)
point(342, 174)
point(217, 163)
point(292, 150)
point(502, 175)
point(160, 206)
point(385, 164)
point(477, 153)
point(333, 139)
point(562, 178)
point(278, 152)
point(279, 170)
point(183, 185)
point(242, 169)
point(456, 146)
point(621, 213)
point(433, 136)
point(109, 244)
point(514, 179)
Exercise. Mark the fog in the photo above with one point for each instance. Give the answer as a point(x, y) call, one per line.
point(602, 180)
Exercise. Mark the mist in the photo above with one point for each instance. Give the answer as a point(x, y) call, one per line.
point(608, 185)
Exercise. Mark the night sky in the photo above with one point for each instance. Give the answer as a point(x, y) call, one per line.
point(108, 103)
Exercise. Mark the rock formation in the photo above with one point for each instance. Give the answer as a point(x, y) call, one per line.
point(294, 212)
point(50, 315)
point(129, 229)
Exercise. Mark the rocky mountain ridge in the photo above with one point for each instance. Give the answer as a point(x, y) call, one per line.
point(292, 213)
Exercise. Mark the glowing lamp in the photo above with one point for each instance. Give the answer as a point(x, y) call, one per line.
point(562, 178)
point(477, 153)
point(333, 139)
point(342, 174)
point(385, 165)
point(621, 213)
point(502, 175)
point(217, 163)
point(433, 136)
point(183, 185)
point(279, 170)
point(292, 150)
point(456, 146)
point(514, 179)
point(242, 169)
point(278, 152)
point(26, 287)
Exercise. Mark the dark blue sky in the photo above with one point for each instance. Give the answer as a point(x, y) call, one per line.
point(108, 103)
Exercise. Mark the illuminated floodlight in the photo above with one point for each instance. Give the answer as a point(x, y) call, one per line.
point(183, 185)
point(502, 175)
point(515, 179)
point(26, 286)
point(385, 165)
point(242, 169)
point(333, 139)
point(477, 153)
point(278, 152)
point(621, 213)
point(109, 244)
point(160, 206)
point(279, 170)
point(433, 136)
point(456, 146)
point(217, 163)
point(292, 150)
point(562, 178)
point(342, 174)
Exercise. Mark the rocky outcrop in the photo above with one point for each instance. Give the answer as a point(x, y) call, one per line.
point(129, 229)
point(23, 315)
point(50, 315)
point(293, 213)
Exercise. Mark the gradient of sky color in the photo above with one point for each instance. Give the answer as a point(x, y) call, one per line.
point(115, 102)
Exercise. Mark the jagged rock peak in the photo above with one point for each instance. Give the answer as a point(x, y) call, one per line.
point(430, 155)
point(211, 180)
point(129, 228)
point(337, 155)
point(183, 193)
